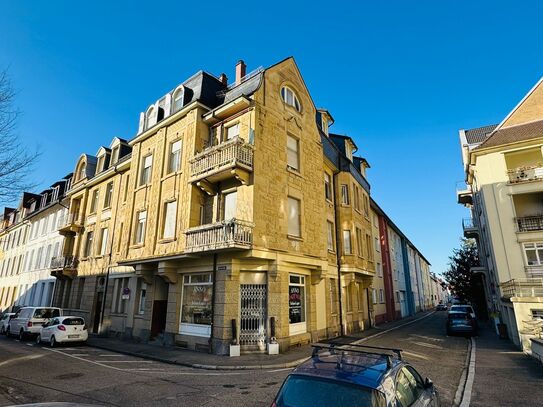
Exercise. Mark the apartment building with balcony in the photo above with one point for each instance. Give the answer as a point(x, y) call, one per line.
point(504, 193)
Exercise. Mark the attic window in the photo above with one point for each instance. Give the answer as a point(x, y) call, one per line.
point(82, 172)
point(290, 98)
point(178, 99)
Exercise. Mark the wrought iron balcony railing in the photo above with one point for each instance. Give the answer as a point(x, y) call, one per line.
point(529, 223)
point(63, 262)
point(527, 173)
point(522, 287)
point(225, 156)
point(221, 235)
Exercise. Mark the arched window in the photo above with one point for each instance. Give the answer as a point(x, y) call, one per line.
point(178, 98)
point(290, 98)
point(150, 118)
point(82, 172)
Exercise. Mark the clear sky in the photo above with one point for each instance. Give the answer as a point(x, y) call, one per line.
point(400, 77)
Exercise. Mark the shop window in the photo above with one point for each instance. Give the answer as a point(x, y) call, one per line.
point(196, 312)
point(296, 304)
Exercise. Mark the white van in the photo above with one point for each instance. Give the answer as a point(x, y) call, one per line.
point(28, 320)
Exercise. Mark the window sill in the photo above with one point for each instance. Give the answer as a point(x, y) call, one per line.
point(297, 238)
point(171, 174)
point(344, 205)
point(141, 187)
point(167, 240)
point(136, 246)
point(294, 172)
point(106, 208)
point(331, 251)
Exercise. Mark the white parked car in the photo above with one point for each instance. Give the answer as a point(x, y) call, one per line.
point(63, 329)
point(464, 308)
point(28, 320)
point(4, 321)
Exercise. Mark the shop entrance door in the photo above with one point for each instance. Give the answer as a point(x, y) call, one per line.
point(252, 334)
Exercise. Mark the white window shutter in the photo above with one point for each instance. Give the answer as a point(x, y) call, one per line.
point(167, 105)
point(142, 122)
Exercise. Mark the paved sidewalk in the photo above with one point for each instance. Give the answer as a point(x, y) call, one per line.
point(504, 375)
point(201, 360)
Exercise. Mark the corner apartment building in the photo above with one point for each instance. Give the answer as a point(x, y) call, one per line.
point(503, 166)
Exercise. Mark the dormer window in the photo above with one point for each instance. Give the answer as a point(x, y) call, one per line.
point(100, 164)
point(114, 155)
point(82, 172)
point(290, 98)
point(178, 98)
point(150, 118)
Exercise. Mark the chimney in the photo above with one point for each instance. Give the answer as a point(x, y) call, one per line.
point(224, 79)
point(240, 71)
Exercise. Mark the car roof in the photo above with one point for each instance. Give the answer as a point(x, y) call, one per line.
point(457, 313)
point(363, 369)
point(63, 317)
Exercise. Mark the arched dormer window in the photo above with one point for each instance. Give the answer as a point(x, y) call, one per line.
point(150, 118)
point(82, 172)
point(290, 98)
point(178, 99)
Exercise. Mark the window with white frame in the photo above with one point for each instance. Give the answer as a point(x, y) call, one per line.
point(175, 156)
point(533, 253)
point(293, 153)
point(121, 295)
point(330, 230)
point(347, 247)
point(374, 295)
point(143, 295)
point(381, 295)
point(290, 98)
point(359, 242)
point(170, 211)
point(296, 299)
point(294, 218)
point(88, 243)
point(178, 100)
point(140, 227)
point(146, 166)
point(377, 245)
point(104, 234)
point(94, 200)
point(345, 194)
point(109, 195)
point(379, 270)
point(196, 303)
point(114, 155)
point(232, 131)
point(327, 186)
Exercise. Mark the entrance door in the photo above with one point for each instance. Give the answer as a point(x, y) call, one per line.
point(230, 205)
point(252, 334)
point(97, 313)
point(158, 322)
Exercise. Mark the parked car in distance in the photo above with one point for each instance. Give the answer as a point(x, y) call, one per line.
point(4, 321)
point(63, 329)
point(28, 320)
point(464, 308)
point(441, 307)
point(355, 375)
point(460, 322)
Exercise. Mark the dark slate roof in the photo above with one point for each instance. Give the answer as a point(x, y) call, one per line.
point(514, 134)
point(480, 134)
point(247, 87)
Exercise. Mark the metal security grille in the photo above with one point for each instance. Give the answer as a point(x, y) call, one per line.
point(253, 316)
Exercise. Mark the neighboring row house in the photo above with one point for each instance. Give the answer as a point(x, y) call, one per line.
point(233, 216)
point(504, 171)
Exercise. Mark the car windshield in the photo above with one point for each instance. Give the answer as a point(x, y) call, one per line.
point(46, 313)
point(73, 321)
point(464, 308)
point(305, 391)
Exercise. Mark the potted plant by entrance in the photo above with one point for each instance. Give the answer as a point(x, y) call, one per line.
point(234, 345)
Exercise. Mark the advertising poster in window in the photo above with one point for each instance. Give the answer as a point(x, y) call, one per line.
point(197, 304)
point(295, 302)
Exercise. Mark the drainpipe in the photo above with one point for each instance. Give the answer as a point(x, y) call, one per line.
point(213, 301)
point(338, 258)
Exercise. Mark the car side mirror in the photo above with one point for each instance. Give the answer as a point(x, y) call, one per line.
point(428, 384)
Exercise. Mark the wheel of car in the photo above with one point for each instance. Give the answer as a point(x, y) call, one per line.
point(53, 342)
point(22, 335)
point(38, 339)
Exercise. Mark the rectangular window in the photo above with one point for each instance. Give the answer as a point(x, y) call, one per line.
point(377, 245)
point(347, 248)
point(374, 295)
point(296, 299)
point(327, 186)
point(330, 228)
point(369, 246)
point(109, 194)
point(294, 227)
point(197, 296)
point(120, 237)
point(381, 296)
point(232, 131)
point(345, 194)
point(366, 206)
point(379, 270)
point(140, 227)
point(147, 164)
point(121, 294)
point(534, 253)
point(170, 211)
point(348, 298)
point(126, 187)
point(143, 295)
point(88, 243)
point(175, 156)
point(293, 153)
point(230, 205)
point(333, 296)
point(94, 200)
point(359, 242)
point(104, 241)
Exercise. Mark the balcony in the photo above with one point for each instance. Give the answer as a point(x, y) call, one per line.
point(464, 194)
point(471, 231)
point(534, 271)
point(234, 234)
point(525, 287)
point(525, 174)
point(529, 223)
point(233, 158)
point(63, 265)
point(70, 224)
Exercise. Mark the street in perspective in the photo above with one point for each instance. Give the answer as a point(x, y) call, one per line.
point(272, 222)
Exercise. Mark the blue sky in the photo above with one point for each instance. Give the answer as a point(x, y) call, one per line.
point(399, 77)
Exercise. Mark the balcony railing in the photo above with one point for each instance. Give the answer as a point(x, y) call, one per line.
point(63, 262)
point(69, 220)
point(523, 174)
point(529, 223)
point(534, 271)
point(522, 287)
point(470, 228)
point(464, 194)
point(220, 235)
point(213, 160)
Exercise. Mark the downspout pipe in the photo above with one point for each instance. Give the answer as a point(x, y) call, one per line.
point(213, 301)
point(338, 257)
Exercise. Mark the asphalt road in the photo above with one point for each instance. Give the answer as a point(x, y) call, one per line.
point(31, 373)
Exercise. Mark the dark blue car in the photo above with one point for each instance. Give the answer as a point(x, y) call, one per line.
point(355, 375)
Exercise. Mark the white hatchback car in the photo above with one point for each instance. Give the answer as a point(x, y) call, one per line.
point(63, 329)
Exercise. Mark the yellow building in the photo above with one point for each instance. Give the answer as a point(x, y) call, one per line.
point(504, 167)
